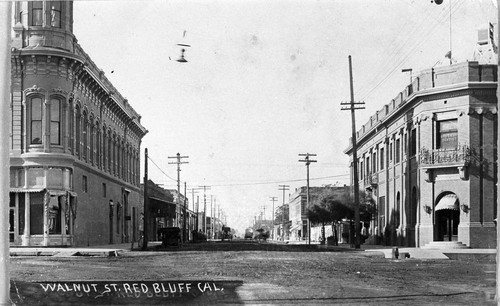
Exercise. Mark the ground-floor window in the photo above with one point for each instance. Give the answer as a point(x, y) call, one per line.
point(36, 213)
point(54, 215)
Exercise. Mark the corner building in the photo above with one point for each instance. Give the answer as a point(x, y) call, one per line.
point(429, 159)
point(75, 141)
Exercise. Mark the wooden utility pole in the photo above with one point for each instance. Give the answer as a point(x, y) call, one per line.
point(308, 162)
point(145, 233)
point(184, 234)
point(197, 212)
point(205, 188)
point(498, 168)
point(5, 98)
point(178, 163)
point(193, 191)
point(284, 188)
point(274, 199)
point(352, 107)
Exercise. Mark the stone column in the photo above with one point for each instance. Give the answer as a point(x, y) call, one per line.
point(27, 207)
point(46, 201)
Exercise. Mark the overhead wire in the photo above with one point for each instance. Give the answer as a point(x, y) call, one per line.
point(161, 169)
point(409, 51)
point(420, 39)
point(278, 182)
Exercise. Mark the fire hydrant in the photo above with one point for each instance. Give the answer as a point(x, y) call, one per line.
point(395, 253)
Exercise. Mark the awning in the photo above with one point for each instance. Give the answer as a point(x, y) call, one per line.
point(449, 201)
point(162, 208)
point(295, 227)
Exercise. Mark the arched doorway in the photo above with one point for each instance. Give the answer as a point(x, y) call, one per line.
point(446, 217)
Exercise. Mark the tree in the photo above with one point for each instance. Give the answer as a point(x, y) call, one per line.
point(279, 213)
point(367, 206)
point(330, 209)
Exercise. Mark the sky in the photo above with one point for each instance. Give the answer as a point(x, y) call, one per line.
point(263, 82)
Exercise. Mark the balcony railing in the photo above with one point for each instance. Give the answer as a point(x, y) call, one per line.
point(371, 180)
point(438, 157)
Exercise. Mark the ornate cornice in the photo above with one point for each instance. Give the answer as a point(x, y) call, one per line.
point(35, 89)
point(482, 110)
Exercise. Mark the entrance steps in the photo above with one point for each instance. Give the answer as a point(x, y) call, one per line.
point(442, 245)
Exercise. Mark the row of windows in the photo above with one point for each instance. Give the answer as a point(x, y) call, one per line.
point(446, 138)
point(86, 139)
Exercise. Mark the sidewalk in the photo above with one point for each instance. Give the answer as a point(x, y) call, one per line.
point(420, 253)
point(414, 252)
point(107, 250)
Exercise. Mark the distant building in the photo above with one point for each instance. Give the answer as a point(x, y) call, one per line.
point(429, 160)
point(75, 141)
point(298, 207)
point(162, 209)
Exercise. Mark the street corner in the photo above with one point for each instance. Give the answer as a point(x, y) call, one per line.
point(124, 292)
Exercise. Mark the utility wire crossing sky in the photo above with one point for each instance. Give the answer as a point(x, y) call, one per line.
point(264, 80)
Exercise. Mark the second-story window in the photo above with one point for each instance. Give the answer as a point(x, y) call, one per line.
point(390, 152)
point(413, 142)
point(85, 135)
point(78, 128)
point(55, 121)
point(36, 120)
point(381, 158)
point(398, 150)
point(447, 134)
point(37, 13)
point(55, 14)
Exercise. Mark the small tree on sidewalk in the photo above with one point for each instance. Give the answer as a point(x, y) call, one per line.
point(329, 210)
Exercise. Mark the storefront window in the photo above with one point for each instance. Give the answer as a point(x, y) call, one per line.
point(54, 178)
point(36, 213)
point(36, 177)
point(21, 213)
point(54, 215)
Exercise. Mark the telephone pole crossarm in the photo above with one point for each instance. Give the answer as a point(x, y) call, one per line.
point(204, 221)
point(274, 199)
point(283, 188)
point(353, 108)
point(307, 161)
point(178, 163)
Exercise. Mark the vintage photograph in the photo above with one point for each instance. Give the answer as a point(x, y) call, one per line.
point(285, 152)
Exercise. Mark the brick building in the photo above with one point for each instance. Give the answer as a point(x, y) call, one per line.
point(75, 141)
point(429, 160)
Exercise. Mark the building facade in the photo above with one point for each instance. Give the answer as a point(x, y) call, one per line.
point(298, 207)
point(428, 158)
point(75, 140)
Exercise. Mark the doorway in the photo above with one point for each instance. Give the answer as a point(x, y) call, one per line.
point(447, 218)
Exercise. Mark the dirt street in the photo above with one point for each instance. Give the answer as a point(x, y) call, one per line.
point(282, 274)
